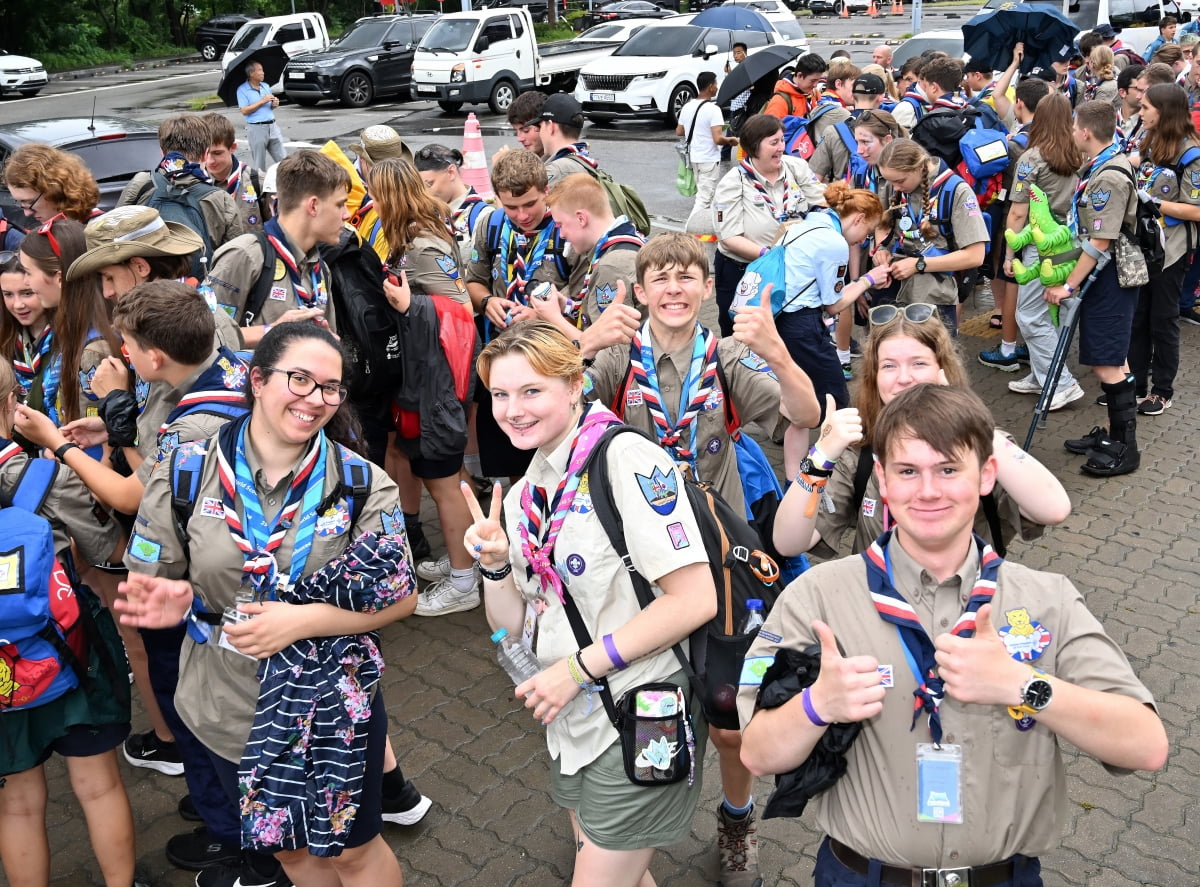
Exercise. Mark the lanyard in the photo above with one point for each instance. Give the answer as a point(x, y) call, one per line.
point(523, 262)
point(315, 296)
point(1102, 158)
point(913, 231)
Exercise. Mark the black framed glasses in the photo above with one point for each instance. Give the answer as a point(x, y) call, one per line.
point(916, 312)
point(28, 205)
point(302, 384)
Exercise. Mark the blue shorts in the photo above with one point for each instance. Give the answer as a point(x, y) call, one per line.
point(1106, 321)
point(807, 339)
point(85, 741)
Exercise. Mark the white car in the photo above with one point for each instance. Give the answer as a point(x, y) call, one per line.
point(22, 75)
point(619, 31)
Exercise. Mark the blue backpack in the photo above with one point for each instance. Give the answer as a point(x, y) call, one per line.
point(857, 168)
point(798, 131)
point(769, 268)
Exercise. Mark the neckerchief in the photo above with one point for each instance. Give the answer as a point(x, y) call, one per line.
point(173, 165)
point(257, 538)
point(315, 296)
point(1102, 158)
point(701, 379)
point(790, 190)
point(1128, 142)
point(949, 100)
point(985, 93)
point(538, 534)
point(829, 97)
point(224, 381)
point(580, 151)
point(27, 363)
point(249, 194)
point(925, 212)
point(460, 219)
point(519, 258)
point(918, 648)
point(622, 231)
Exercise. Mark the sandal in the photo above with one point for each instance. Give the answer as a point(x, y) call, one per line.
point(996, 322)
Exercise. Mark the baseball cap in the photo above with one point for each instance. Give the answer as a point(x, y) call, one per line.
point(869, 84)
point(562, 108)
point(1105, 31)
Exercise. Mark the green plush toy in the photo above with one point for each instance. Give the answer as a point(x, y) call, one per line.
point(1053, 240)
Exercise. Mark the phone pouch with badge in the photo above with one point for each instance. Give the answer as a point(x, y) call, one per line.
point(657, 742)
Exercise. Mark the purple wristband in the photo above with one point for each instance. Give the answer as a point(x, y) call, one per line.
point(806, 701)
point(611, 648)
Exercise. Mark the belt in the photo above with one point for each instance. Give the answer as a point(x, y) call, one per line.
point(990, 875)
point(260, 122)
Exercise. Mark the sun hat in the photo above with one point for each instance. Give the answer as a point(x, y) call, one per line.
point(380, 142)
point(128, 232)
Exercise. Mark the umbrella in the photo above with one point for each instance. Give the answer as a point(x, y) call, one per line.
point(1045, 31)
point(767, 61)
point(272, 57)
point(735, 18)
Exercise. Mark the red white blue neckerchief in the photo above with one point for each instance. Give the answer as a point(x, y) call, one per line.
point(519, 257)
point(173, 165)
point(31, 354)
point(700, 381)
point(249, 195)
point(460, 218)
point(948, 100)
point(622, 231)
point(1102, 158)
point(223, 381)
point(579, 150)
point(791, 191)
point(918, 647)
point(829, 97)
point(985, 93)
point(257, 538)
point(539, 530)
point(314, 295)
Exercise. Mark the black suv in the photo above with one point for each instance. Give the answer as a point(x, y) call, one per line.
point(373, 58)
point(213, 36)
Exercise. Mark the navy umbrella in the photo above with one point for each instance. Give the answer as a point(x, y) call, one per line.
point(735, 18)
point(1048, 35)
point(765, 62)
point(272, 57)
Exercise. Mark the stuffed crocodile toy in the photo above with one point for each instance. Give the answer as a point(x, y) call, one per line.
point(1054, 242)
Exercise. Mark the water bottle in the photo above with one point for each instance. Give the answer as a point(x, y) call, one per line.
point(754, 617)
point(514, 657)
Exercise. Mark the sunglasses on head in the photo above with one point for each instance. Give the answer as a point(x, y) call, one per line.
point(915, 312)
point(48, 230)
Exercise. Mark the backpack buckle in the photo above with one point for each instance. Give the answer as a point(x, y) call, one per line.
point(740, 553)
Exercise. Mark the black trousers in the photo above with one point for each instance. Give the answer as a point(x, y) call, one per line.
point(1154, 341)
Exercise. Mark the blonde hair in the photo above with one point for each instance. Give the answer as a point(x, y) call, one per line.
point(515, 172)
point(889, 83)
point(1102, 62)
point(906, 156)
point(547, 351)
point(407, 208)
point(579, 191)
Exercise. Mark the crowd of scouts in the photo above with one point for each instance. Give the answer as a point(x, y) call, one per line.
point(251, 518)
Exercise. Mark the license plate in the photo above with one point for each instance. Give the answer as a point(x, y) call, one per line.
point(296, 75)
point(429, 89)
point(603, 97)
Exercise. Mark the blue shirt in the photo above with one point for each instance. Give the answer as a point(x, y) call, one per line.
point(248, 95)
point(816, 251)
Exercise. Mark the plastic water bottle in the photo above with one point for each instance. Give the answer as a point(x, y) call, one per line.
point(754, 617)
point(515, 658)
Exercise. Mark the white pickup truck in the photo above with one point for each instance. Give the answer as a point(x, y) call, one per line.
point(492, 56)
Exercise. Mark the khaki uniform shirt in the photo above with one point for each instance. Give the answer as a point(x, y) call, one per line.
point(220, 211)
point(218, 690)
point(1013, 789)
point(822, 129)
point(464, 234)
point(1032, 170)
point(486, 268)
point(235, 271)
point(248, 199)
point(742, 209)
point(618, 263)
point(1108, 202)
point(831, 158)
point(94, 353)
point(753, 388)
point(431, 265)
point(1163, 184)
point(966, 221)
point(667, 538)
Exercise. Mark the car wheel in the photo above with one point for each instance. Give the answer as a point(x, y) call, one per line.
point(208, 51)
point(683, 94)
point(357, 90)
point(450, 107)
point(29, 93)
point(838, 6)
point(503, 95)
point(306, 102)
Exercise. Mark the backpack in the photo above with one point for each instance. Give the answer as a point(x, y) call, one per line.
point(918, 106)
point(496, 225)
point(771, 267)
point(623, 199)
point(798, 133)
point(43, 630)
point(1148, 233)
point(970, 139)
point(859, 166)
point(1134, 58)
point(740, 569)
point(182, 205)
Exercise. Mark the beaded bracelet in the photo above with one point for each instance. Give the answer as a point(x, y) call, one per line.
point(495, 575)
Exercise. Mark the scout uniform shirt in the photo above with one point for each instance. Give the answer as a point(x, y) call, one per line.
point(832, 156)
point(753, 387)
point(1163, 183)
point(1032, 169)
point(431, 265)
point(967, 224)
point(466, 216)
point(1105, 200)
point(568, 161)
point(1013, 791)
point(539, 251)
point(244, 185)
point(593, 283)
point(647, 491)
point(221, 215)
point(746, 204)
point(217, 691)
point(94, 353)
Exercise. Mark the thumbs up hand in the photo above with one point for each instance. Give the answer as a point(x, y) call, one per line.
point(979, 669)
point(842, 428)
point(616, 325)
point(848, 688)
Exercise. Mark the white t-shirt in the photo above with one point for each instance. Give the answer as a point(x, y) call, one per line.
point(703, 149)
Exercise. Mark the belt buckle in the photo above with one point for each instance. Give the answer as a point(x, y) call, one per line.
point(946, 877)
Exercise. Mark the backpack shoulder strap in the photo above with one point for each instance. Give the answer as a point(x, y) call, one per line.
point(146, 190)
point(618, 403)
point(862, 475)
point(991, 511)
point(787, 98)
point(847, 136)
point(355, 483)
point(477, 206)
point(34, 484)
point(262, 286)
point(187, 464)
point(495, 225)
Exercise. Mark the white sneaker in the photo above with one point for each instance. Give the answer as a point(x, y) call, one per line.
point(432, 571)
point(1064, 396)
point(443, 597)
point(1028, 385)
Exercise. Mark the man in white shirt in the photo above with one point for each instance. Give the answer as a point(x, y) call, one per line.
point(702, 124)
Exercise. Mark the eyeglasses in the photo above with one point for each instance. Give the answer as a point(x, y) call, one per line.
point(48, 230)
point(28, 205)
point(915, 312)
point(302, 385)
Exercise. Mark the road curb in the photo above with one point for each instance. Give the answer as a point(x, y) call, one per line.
point(136, 65)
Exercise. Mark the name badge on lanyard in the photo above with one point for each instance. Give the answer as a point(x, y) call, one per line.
point(939, 783)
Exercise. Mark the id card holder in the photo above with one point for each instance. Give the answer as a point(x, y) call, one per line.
point(232, 616)
point(939, 783)
point(529, 627)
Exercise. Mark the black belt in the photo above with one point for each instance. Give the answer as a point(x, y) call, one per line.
point(989, 875)
point(260, 122)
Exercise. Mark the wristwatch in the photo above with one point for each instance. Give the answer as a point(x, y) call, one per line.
point(920, 264)
point(809, 467)
point(1035, 695)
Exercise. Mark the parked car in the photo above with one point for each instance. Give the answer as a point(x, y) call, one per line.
point(618, 31)
point(948, 41)
point(113, 148)
point(834, 7)
point(215, 34)
point(372, 58)
point(21, 75)
point(538, 9)
point(623, 9)
point(299, 33)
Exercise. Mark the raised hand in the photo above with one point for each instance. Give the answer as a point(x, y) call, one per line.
point(979, 669)
point(754, 326)
point(843, 428)
point(485, 539)
point(848, 689)
point(616, 325)
point(152, 601)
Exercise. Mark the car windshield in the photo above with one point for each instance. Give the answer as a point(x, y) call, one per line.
point(601, 32)
point(449, 35)
point(665, 41)
point(362, 35)
point(789, 29)
point(251, 37)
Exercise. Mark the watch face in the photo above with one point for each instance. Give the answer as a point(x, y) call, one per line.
point(1037, 694)
point(921, 264)
point(806, 466)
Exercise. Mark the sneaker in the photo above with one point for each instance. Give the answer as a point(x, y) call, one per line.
point(443, 597)
point(1064, 396)
point(1027, 385)
point(847, 372)
point(407, 808)
point(1154, 405)
point(1022, 354)
point(187, 809)
point(240, 874)
point(147, 750)
point(1081, 445)
point(198, 850)
point(1191, 316)
point(432, 571)
point(737, 844)
point(996, 359)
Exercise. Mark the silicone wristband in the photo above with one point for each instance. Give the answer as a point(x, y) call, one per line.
point(611, 648)
point(821, 460)
point(870, 279)
point(806, 701)
point(495, 575)
point(62, 451)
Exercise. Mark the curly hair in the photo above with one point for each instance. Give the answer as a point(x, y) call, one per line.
point(61, 178)
point(407, 209)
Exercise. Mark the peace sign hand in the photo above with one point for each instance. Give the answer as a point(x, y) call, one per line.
point(485, 539)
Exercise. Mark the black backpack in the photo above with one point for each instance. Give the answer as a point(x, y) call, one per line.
point(740, 568)
point(182, 205)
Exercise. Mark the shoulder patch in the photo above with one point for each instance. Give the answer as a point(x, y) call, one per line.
point(145, 550)
point(1098, 198)
point(604, 295)
point(660, 490)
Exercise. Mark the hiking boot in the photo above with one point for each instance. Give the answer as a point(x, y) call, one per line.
point(1081, 445)
point(997, 360)
point(442, 597)
point(407, 808)
point(1064, 396)
point(147, 750)
point(737, 843)
point(1027, 385)
point(197, 850)
point(1154, 405)
point(1110, 458)
point(432, 571)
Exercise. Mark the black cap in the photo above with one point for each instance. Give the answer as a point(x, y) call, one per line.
point(1106, 31)
point(562, 108)
point(869, 84)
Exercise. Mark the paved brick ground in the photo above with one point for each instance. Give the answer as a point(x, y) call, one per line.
point(1129, 545)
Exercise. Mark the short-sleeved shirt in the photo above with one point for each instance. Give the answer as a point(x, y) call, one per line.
point(431, 265)
point(1013, 787)
point(752, 385)
point(698, 117)
point(247, 95)
point(616, 264)
point(968, 226)
point(817, 257)
point(741, 208)
point(1163, 183)
point(221, 215)
point(832, 112)
point(217, 690)
point(235, 271)
point(832, 157)
point(486, 267)
point(464, 231)
point(648, 493)
point(94, 353)
point(1108, 202)
point(1032, 169)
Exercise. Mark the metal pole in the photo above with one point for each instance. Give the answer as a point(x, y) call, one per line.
point(916, 17)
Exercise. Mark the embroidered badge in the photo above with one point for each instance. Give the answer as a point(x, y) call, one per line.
point(85, 382)
point(678, 534)
point(886, 676)
point(837, 287)
point(141, 391)
point(393, 522)
point(1194, 179)
point(334, 522)
point(868, 507)
point(279, 293)
point(210, 507)
point(714, 400)
point(770, 636)
point(166, 446)
point(754, 668)
point(1024, 168)
point(582, 503)
point(576, 564)
point(145, 550)
point(1098, 198)
point(447, 264)
point(604, 295)
point(252, 220)
point(842, 269)
point(659, 490)
point(474, 255)
point(754, 362)
point(234, 375)
point(713, 446)
point(11, 571)
point(633, 397)
point(1024, 638)
point(280, 270)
